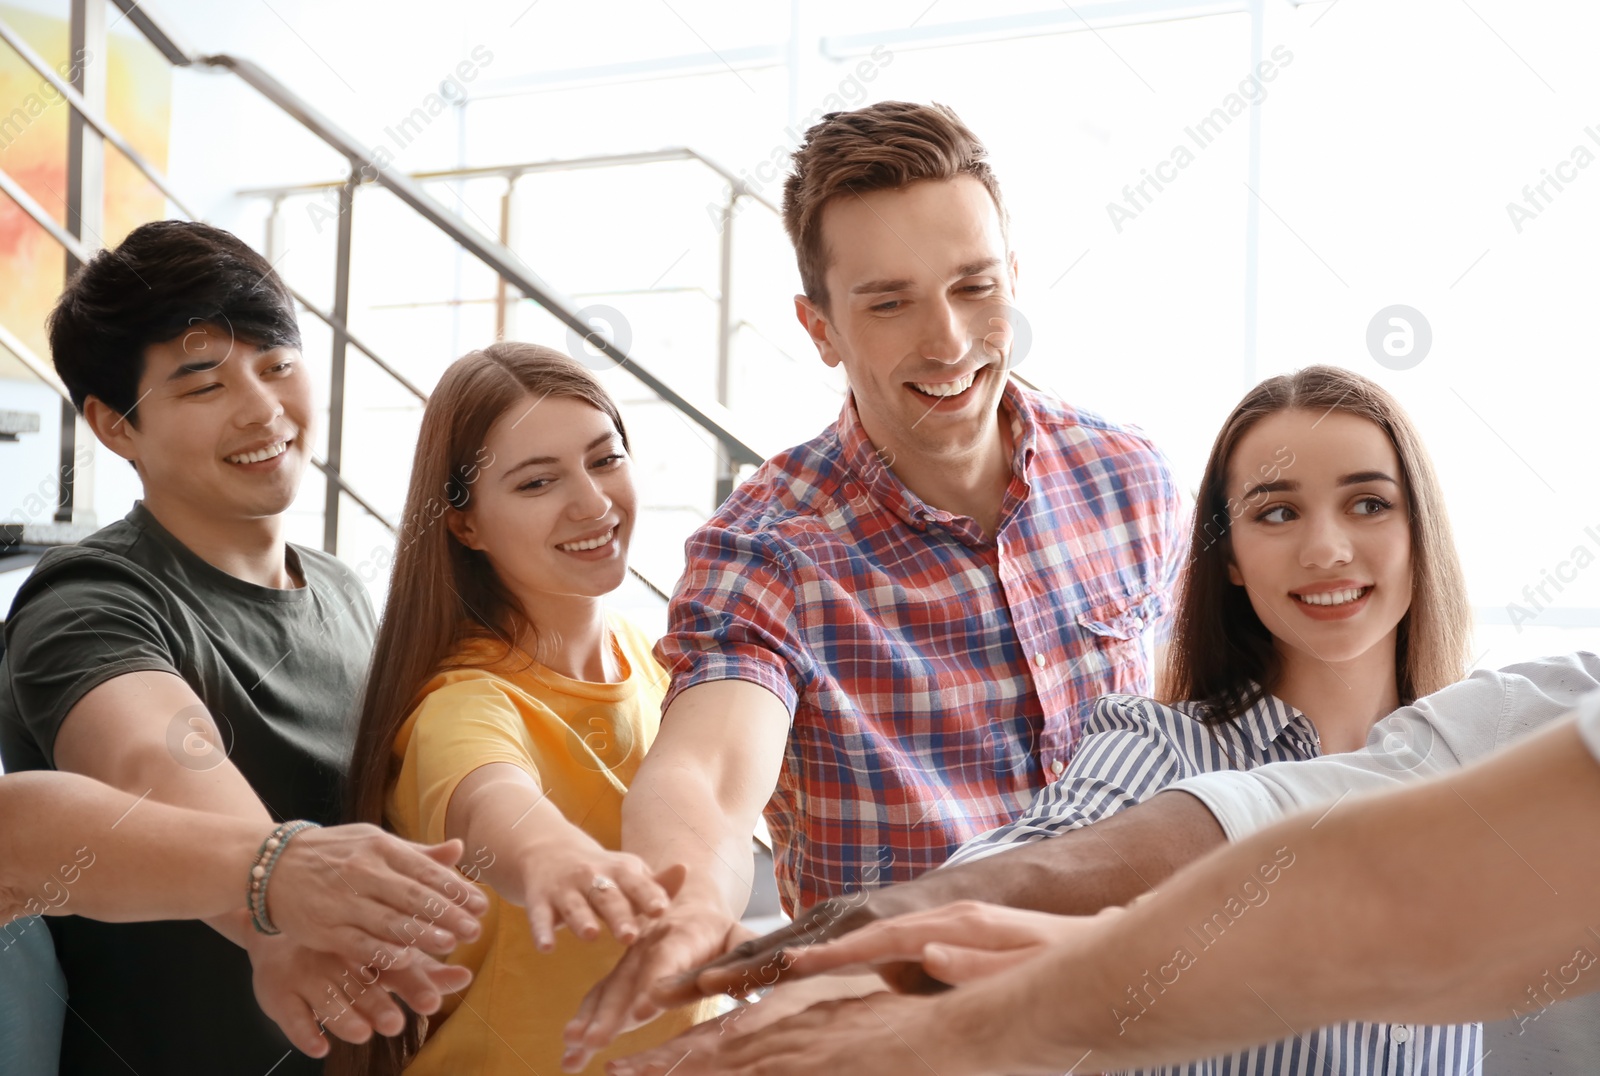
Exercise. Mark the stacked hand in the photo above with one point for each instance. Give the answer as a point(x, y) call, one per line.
point(953, 944)
point(360, 910)
point(579, 884)
point(649, 978)
point(304, 990)
point(366, 895)
point(874, 1033)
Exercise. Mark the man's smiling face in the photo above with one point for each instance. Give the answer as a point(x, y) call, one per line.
point(920, 286)
point(222, 425)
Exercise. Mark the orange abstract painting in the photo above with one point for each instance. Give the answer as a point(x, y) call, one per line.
point(33, 152)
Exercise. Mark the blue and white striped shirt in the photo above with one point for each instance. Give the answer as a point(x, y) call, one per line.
point(1133, 747)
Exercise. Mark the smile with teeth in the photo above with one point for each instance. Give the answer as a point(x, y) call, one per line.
point(1333, 597)
point(589, 543)
point(260, 454)
point(947, 388)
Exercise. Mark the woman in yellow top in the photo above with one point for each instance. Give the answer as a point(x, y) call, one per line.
point(507, 708)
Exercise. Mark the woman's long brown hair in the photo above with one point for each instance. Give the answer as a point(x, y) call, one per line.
point(1221, 655)
point(442, 593)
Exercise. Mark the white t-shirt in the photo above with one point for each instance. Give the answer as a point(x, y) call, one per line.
point(1439, 734)
point(1589, 722)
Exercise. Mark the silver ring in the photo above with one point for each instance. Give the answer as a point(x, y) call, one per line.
point(602, 883)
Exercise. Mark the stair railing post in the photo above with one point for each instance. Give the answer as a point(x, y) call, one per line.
point(336, 372)
point(86, 202)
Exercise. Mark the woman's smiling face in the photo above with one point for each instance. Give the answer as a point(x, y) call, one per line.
point(1323, 544)
point(553, 507)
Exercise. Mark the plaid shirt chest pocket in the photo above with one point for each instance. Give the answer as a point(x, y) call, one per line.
point(1116, 633)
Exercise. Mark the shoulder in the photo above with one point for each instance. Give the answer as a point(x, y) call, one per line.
point(792, 490)
point(1175, 730)
point(1083, 437)
point(1142, 714)
point(105, 574)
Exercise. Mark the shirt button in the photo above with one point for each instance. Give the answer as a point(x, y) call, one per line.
point(1138, 622)
point(1401, 1033)
point(1058, 767)
point(1038, 659)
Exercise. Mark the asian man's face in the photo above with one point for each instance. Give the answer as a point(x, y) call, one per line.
point(223, 426)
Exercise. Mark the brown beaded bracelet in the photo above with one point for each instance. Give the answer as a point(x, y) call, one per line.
point(261, 872)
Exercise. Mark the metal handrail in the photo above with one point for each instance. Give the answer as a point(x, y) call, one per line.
point(75, 247)
point(37, 366)
point(740, 187)
point(712, 417)
point(338, 326)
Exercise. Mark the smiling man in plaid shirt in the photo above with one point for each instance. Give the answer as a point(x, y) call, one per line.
point(895, 624)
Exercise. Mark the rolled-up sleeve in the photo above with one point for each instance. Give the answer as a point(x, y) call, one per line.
point(1124, 758)
point(733, 616)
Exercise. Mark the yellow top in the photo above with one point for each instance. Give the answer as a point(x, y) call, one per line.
point(582, 742)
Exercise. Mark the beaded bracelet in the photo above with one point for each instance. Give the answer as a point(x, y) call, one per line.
point(261, 872)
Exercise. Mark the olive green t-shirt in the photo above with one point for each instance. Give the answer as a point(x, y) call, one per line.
point(280, 672)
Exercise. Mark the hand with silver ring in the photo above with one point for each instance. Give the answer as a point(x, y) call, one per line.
point(570, 880)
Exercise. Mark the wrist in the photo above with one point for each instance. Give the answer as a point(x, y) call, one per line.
point(268, 856)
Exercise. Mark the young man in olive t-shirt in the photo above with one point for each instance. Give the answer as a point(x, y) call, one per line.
point(187, 652)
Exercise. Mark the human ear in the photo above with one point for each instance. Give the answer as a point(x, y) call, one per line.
point(461, 526)
point(111, 428)
point(1233, 573)
point(815, 322)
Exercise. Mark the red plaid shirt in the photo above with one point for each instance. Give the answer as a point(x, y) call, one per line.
point(934, 676)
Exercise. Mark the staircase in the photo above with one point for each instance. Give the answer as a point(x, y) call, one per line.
point(687, 435)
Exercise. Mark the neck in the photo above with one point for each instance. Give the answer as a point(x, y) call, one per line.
point(571, 638)
point(970, 484)
point(1342, 699)
point(249, 549)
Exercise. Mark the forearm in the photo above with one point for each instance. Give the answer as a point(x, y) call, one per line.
point(96, 851)
point(673, 815)
point(1441, 918)
point(701, 787)
point(507, 825)
point(1080, 871)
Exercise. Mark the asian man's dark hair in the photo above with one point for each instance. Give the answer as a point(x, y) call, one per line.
point(166, 278)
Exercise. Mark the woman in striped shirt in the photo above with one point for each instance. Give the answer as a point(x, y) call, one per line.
point(1323, 592)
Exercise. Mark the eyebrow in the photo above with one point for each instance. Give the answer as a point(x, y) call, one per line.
point(1290, 485)
point(539, 461)
point(878, 287)
point(193, 368)
point(206, 365)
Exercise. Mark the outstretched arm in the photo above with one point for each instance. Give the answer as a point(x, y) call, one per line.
point(543, 863)
point(89, 849)
point(118, 733)
point(694, 802)
point(1490, 876)
point(1076, 873)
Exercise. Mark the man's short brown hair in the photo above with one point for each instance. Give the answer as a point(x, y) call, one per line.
point(884, 146)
